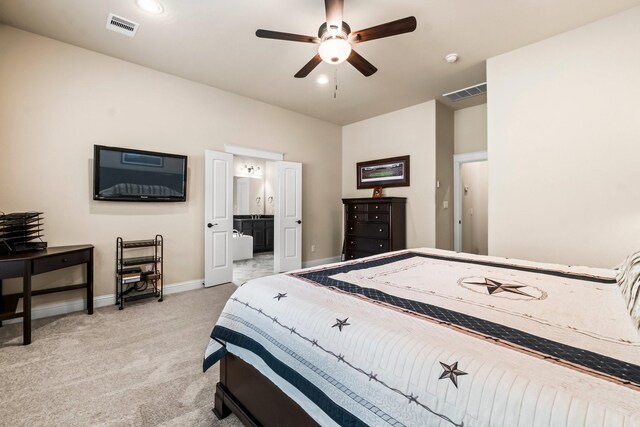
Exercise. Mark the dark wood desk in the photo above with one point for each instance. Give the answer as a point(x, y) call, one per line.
point(27, 264)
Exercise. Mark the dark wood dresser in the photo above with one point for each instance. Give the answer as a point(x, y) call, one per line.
point(374, 226)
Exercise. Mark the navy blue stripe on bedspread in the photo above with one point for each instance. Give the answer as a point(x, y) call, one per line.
point(312, 392)
point(626, 372)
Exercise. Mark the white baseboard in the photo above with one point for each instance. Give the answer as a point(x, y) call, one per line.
point(319, 262)
point(79, 304)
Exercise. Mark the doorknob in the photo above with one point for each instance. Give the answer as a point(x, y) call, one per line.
point(299, 222)
point(211, 225)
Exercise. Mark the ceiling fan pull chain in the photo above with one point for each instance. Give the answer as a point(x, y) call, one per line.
point(335, 81)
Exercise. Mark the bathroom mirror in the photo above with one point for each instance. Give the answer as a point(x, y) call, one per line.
point(249, 196)
point(253, 186)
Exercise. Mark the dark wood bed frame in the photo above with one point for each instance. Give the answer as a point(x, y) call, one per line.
point(254, 399)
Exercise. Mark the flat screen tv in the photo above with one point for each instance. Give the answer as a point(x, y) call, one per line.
point(126, 175)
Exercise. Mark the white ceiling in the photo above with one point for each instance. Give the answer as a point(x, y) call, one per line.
point(214, 42)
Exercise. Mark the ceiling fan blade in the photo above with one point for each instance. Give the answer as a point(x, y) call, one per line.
point(304, 72)
point(268, 34)
point(401, 26)
point(361, 64)
point(334, 10)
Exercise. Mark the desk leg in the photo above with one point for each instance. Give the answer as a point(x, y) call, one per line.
point(26, 304)
point(90, 283)
point(1, 302)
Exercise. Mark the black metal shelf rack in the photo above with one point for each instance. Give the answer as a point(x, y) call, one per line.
point(149, 267)
point(21, 231)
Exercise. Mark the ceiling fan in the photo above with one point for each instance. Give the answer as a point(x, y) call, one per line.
point(336, 39)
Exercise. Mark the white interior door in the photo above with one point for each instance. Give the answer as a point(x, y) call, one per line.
point(288, 217)
point(218, 217)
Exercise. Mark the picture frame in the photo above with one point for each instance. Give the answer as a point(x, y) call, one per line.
point(389, 172)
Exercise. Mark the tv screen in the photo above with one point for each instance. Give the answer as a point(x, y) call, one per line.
point(122, 174)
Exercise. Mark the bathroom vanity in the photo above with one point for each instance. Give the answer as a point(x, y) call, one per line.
point(258, 226)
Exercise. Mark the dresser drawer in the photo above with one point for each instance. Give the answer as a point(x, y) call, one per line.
point(378, 217)
point(351, 255)
point(357, 207)
point(42, 265)
point(367, 245)
point(357, 216)
point(368, 230)
point(378, 207)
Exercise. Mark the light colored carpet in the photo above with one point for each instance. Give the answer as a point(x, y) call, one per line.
point(259, 266)
point(138, 367)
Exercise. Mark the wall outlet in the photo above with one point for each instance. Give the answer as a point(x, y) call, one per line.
point(313, 248)
point(445, 205)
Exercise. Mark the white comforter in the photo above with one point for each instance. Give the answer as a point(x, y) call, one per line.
point(434, 338)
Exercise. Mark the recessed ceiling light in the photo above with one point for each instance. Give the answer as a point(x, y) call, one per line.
point(323, 80)
point(151, 6)
point(451, 58)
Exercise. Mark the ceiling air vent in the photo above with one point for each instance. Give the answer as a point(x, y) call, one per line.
point(121, 25)
point(465, 93)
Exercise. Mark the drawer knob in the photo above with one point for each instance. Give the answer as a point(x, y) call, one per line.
point(355, 216)
point(351, 256)
point(377, 217)
point(381, 230)
point(355, 207)
point(377, 206)
point(350, 228)
point(351, 242)
point(381, 245)
point(65, 260)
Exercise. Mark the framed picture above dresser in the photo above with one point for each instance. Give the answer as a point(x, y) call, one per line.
point(374, 226)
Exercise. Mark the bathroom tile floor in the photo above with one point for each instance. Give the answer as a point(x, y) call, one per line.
point(259, 266)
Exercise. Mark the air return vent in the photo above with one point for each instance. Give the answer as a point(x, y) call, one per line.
point(121, 25)
point(465, 93)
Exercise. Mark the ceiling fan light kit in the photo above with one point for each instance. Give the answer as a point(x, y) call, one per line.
point(336, 39)
point(334, 50)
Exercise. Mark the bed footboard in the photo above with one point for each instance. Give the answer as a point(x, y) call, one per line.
point(254, 399)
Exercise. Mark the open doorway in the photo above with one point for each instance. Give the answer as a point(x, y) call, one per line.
point(253, 221)
point(471, 203)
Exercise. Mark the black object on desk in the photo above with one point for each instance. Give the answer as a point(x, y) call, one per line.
point(27, 264)
point(21, 232)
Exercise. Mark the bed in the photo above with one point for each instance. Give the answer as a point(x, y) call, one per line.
point(429, 338)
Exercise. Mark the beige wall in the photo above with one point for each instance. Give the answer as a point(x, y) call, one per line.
point(564, 144)
point(474, 180)
point(470, 129)
point(444, 176)
point(409, 131)
point(58, 100)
